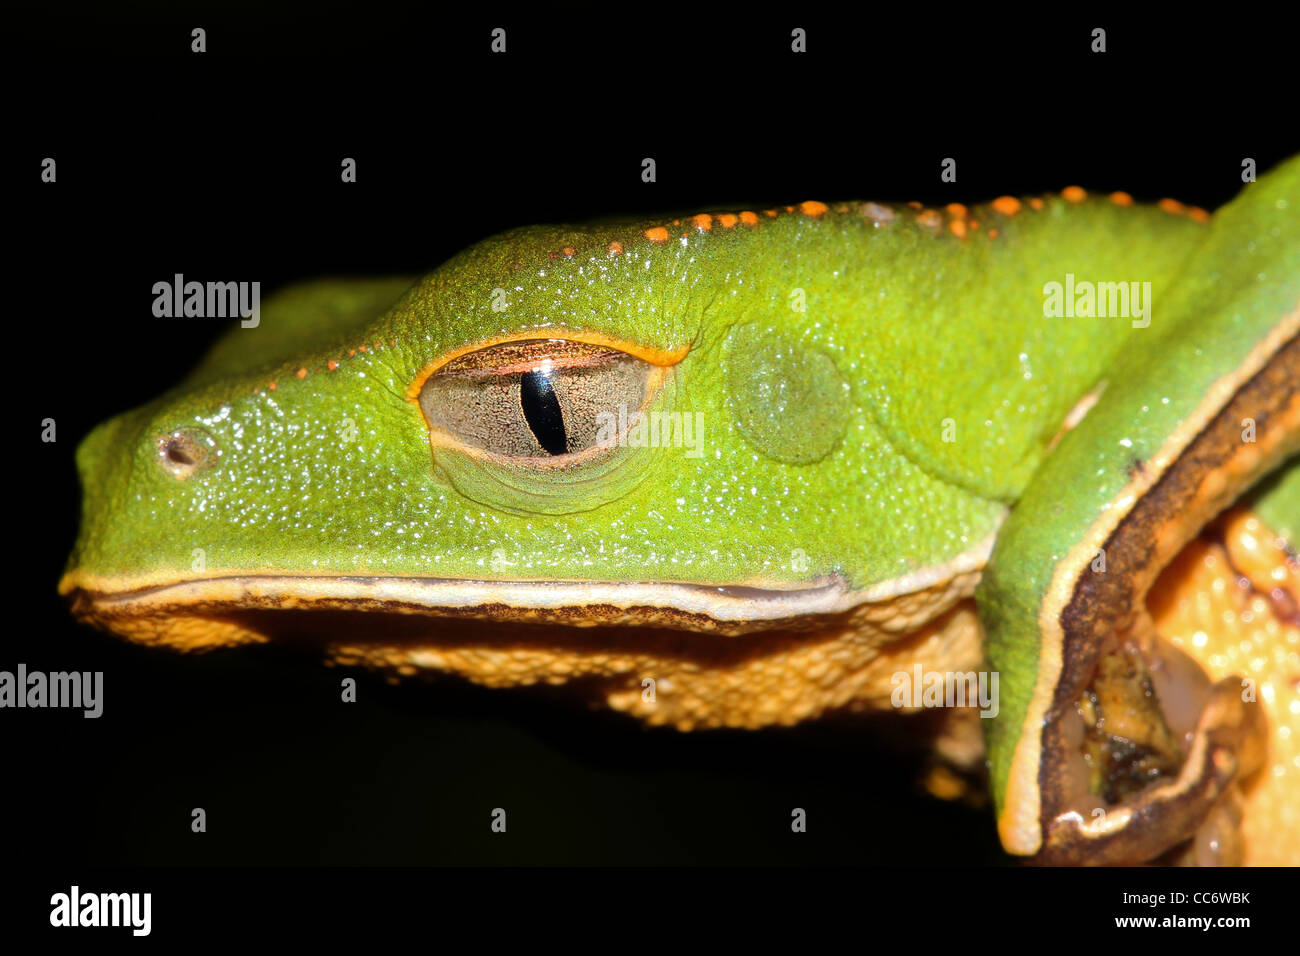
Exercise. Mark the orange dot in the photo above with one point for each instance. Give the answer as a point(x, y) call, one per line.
point(813, 208)
point(301, 373)
point(958, 228)
point(271, 386)
point(771, 213)
point(930, 218)
point(727, 220)
point(567, 250)
point(362, 348)
point(1036, 204)
point(974, 223)
point(1073, 194)
point(615, 248)
point(749, 218)
point(1172, 206)
point(993, 233)
point(1197, 214)
point(1121, 199)
point(789, 208)
point(956, 210)
point(333, 364)
point(702, 222)
point(657, 234)
point(352, 351)
point(914, 204)
point(1007, 205)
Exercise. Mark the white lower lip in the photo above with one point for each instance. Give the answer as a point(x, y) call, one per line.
point(737, 603)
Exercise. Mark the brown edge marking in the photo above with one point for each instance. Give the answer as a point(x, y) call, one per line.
point(1021, 821)
point(1166, 507)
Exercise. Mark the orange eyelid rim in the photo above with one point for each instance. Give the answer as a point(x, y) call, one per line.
point(659, 357)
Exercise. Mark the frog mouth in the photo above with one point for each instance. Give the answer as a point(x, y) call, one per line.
point(208, 610)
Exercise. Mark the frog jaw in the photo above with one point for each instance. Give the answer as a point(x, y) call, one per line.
point(173, 613)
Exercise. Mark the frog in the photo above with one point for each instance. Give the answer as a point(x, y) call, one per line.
point(748, 468)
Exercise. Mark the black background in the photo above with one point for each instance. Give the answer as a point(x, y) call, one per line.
point(227, 164)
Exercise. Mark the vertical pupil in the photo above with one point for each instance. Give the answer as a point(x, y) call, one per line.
point(542, 411)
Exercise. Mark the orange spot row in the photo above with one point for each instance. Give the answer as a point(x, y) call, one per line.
point(1194, 213)
point(704, 222)
point(332, 365)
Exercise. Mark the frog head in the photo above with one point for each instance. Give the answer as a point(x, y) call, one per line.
point(560, 424)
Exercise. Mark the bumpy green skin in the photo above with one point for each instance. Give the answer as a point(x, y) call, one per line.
point(922, 327)
point(1235, 287)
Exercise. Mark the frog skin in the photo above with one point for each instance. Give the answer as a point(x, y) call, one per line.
point(896, 458)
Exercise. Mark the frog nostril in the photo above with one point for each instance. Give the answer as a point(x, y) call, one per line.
point(186, 451)
point(179, 452)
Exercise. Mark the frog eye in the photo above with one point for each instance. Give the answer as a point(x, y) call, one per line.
point(537, 399)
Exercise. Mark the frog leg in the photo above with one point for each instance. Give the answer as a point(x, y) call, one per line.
point(1188, 421)
point(1081, 615)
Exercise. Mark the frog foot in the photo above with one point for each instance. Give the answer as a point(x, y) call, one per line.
point(1153, 754)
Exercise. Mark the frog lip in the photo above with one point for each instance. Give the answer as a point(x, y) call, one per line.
point(552, 601)
point(479, 598)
